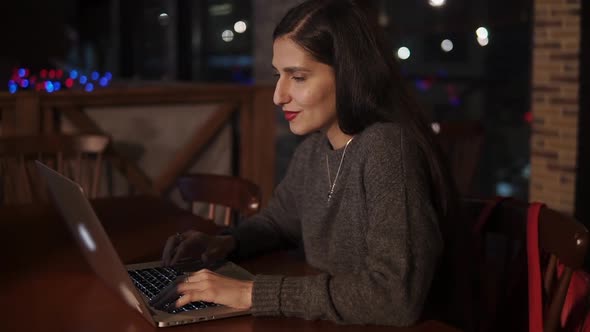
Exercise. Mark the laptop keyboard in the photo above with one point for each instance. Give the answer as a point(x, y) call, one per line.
point(151, 281)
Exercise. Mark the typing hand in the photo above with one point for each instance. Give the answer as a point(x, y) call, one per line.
point(166, 298)
point(168, 295)
point(208, 286)
point(198, 246)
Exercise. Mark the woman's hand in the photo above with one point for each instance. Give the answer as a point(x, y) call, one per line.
point(207, 286)
point(196, 245)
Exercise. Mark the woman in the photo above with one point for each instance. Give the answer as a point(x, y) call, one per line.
point(365, 194)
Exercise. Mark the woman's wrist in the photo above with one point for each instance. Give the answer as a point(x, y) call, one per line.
point(247, 294)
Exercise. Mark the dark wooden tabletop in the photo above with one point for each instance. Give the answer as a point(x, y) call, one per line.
point(47, 286)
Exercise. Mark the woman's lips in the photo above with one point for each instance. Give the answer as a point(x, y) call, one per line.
point(289, 116)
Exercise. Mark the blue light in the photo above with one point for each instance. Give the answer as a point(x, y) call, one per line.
point(49, 86)
point(21, 72)
point(103, 81)
point(95, 75)
point(422, 85)
point(526, 171)
point(11, 82)
point(83, 79)
point(12, 88)
point(56, 86)
point(73, 74)
point(442, 73)
point(504, 189)
point(24, 83)
point(89, 87)
point(108, 75)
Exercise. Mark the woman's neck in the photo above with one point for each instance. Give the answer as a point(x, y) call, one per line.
point(337, 138)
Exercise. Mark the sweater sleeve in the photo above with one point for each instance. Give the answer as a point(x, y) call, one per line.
point(403, 242)
point(277, 225)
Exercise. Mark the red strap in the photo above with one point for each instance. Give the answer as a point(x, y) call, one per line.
point(534, 269)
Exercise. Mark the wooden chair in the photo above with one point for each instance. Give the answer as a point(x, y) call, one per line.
point(461, 143)
point(564, 240)
point(235, 194)
point(502, 272)
point(77, 156)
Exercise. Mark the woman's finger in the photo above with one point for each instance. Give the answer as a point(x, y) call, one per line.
point(180, 252)
point(167, 295)
point(194, 296)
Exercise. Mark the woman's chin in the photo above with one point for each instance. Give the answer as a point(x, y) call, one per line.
point(298, 130)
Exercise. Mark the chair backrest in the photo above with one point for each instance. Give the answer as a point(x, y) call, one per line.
point(78, 157)
point(564, 241)
point(233, 193)
point(461, 143)
point(501, 273)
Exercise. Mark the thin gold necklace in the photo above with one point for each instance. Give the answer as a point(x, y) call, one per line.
point(330, 184)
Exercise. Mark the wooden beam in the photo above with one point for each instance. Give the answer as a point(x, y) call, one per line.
point(81, 120)
point(246, 142)
point(48, 125)
point(256, 125)
point(28, 114)
point(263, 140)
point(134, 173)
point(193, 147)
point(8, 121)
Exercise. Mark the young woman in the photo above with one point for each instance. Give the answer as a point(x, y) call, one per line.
point(365, 194)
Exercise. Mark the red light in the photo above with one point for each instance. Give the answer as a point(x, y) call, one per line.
point(69, 82)
point(43, 73)
point(451, 89)
point(51, 74)
point(59, 73)
point(27, 72)
point(38, 87)
point(33, 79)
point(528, 117)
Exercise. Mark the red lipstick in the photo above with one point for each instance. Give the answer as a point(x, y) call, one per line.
point(289, 116)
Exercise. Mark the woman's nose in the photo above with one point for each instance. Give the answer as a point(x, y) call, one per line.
point(281, 95)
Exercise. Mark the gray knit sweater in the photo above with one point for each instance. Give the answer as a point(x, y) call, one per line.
point(377, 240)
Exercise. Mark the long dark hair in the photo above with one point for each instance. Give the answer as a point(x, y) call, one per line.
point(369, 86)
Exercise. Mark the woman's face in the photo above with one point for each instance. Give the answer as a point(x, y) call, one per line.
point(305, 89)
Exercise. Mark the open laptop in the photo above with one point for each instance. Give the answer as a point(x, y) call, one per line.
point(136, 283)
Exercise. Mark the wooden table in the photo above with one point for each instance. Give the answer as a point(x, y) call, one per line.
point(49, 286)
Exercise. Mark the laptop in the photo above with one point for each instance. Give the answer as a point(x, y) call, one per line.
point(138, 283)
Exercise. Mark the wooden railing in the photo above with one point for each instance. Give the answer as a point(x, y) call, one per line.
point(27, 113)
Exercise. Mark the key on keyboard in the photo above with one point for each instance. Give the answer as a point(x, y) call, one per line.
point(151, 281)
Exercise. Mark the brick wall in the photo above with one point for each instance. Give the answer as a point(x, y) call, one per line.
point(555, 102)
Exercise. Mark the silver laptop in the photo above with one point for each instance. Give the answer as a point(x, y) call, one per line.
point(136, 283)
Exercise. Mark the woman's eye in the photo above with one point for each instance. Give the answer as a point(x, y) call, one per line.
point(299, 78)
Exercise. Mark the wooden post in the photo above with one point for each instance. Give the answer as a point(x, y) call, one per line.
point(28, 114)
point(263, 140)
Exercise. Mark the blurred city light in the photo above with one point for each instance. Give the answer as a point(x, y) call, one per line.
point(446, 45)
point(483, 41)
point(164, 19)
point(227, 36)
point(436, 3)
point(482, 33)
point(403, 53)
point(240, 26)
